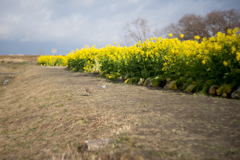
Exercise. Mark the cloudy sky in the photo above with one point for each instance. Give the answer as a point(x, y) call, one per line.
point(36, 26)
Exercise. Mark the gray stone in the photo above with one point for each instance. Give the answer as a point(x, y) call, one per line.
point(95, 145)
point(148, 82)
point(6, 81)
point(236, 94)
point(141, 81)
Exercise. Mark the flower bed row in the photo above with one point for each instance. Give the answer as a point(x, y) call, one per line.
point(211, 66)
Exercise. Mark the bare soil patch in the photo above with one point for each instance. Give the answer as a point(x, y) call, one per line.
point(13, 64)
point(17, 59)
point(45, 113)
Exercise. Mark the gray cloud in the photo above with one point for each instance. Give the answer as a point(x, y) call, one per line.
point(91, 22)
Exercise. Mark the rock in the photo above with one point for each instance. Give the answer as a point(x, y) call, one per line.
point(141, 81)
point(236, 94)
point(147, 82)
point(212, 89)
point(5, 81)
point(171, 85)
point(95, 145)
point(120, 78)
point(126, 76)
point(150, 84)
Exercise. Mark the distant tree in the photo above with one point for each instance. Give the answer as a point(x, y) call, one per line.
point(156, 32)
point(216, 21)
point(136, 30)
point(191, 25)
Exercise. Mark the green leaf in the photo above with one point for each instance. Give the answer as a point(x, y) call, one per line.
point(219, 90)
point(145, 74)
point(190, 88)
point(173, 85)
point(189, 80)
point(227, 88)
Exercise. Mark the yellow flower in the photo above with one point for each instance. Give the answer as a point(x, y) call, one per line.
point(115, 42)
point(233, 49)
point(171, 51)
point(229, 31)
point(170, 35)
point(224, 95)
point(187, 63)
point(197, 37)
point(238, 56)
point(181, 35)
point(203, 62)
point(225, 63)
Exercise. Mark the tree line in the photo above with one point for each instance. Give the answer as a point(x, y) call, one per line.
point(190, 25)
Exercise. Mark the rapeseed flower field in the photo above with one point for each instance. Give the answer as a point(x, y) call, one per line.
point(196, 66)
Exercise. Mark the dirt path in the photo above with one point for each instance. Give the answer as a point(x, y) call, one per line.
point(45, 113)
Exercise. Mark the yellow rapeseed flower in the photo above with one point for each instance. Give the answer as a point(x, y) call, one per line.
point(238, 56)
point(233, 49)
point(229, 31)
point(181, 35)
point(170, 34)
point(225, 63)
point(197, 37)
point(235, 30)
point(203, 62)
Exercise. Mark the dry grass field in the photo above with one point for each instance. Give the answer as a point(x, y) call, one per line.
point(45, 113)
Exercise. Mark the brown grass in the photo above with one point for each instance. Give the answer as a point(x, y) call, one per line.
point(45, 113)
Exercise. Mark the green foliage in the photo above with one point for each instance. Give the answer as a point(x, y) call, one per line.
point(145, 74)
point(196, 66)
point(157, 80)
